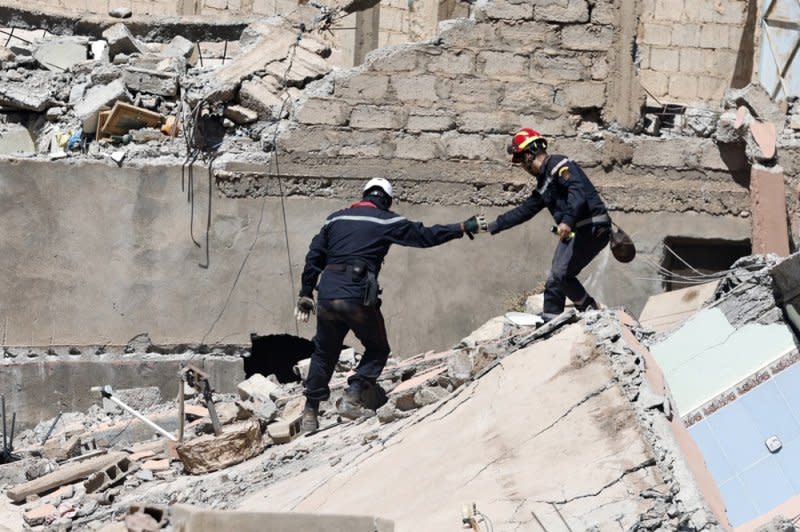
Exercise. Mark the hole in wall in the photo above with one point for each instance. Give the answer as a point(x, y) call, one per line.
point(276, 354)
point(698, 258)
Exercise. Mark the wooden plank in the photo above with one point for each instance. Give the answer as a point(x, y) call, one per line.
point(125, 117)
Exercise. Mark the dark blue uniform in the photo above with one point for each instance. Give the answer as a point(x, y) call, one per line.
point(566, 191)
point(359, 235)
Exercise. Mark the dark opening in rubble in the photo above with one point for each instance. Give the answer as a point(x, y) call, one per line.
point(276, 354)
point(689, 261)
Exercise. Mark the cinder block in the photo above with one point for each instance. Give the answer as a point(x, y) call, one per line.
point(657, 34)
point(362, 87)
point(501, 64)
point(480, 122)
point(582, 95)
point(710, 88)
point(665, 59)
point(525, 38)
point(558, 67)
point(685, 35)
point(415, 88)
point(605, 13)
point(429, 122)
point(527, 93)
point(668, 10)
point(506, 11)
point(424, 147)
point(475, 147)
point(588, 37)
point(392, 60)
point(322, 111)
point(468, 91)
point(693, 61)
point(721, 62)
point(714, 36)
point(683, 86)
point(375, 117)
point(600, 69)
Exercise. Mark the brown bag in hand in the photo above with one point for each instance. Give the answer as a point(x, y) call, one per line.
point(622, 247)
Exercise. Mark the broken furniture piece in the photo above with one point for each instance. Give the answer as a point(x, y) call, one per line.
point(198, 380)
point(108, 393)
point(124, 117)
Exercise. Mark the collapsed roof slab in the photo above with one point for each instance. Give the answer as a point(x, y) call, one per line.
point(148, 28)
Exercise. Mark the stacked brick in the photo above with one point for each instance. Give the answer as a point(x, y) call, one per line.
point(688, 48)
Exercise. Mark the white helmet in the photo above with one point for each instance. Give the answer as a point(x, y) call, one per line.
point(380, 183)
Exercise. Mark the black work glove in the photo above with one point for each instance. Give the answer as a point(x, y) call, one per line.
point(474, 225)
point(305, 307)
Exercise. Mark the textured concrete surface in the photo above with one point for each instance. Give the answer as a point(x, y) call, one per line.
point(96, 254)
point(501, 444)
point(768, 194)
point(664, 311)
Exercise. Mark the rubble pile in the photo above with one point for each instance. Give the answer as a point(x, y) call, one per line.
point(118, 97)
point(90, 470)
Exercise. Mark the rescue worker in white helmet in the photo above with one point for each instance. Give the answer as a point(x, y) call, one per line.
point(582, 221)
point(348, 253)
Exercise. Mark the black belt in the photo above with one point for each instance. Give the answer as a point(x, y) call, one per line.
point(339, 267)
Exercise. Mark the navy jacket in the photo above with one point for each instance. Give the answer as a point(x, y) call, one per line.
point(362, 232)
point(564, 189)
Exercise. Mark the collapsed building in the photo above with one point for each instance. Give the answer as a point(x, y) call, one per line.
point(164, 168)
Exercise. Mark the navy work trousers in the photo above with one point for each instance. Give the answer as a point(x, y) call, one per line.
point(570, 258)
point(335, 318)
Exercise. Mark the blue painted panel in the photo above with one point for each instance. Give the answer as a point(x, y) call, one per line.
point(766, 485)
point(719, 467)
point(770, 412)
point(789, 460)
point(738, 436)
point(788, 382)
point(737, 505)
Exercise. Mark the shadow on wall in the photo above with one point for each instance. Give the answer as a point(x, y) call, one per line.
point(276, 354)
point(735, 158)
point(743, 70)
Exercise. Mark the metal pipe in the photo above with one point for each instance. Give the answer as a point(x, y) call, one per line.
point(11, 438)
point(5, 442)
point(50, 431)
point(108, 394)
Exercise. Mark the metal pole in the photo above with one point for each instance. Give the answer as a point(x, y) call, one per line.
point(11, 439)
point(181, 414)
point(224, 52)
point(49, 432)
point(5, 443)
point(107, 393)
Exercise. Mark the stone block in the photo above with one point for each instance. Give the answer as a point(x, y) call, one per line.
point(261, 95)
point(768, 197)
point(582, 95)
point(683, 86)
point(394, 59)
point(362, 87)
point(665, 59)
point(685, 35)
point(457, 62)
point(504, 11)
point(605, 14)
point(656, 83)
point(657, 34)
point(479, 122)
point(568, 11)
point(121, 40)
point(588, 37)
point(502, 64)
point(240, 114)
point(377, 117)
point(95, 99)
point(469, 91)
point(475, 147)
point(61, 54)
point(556, 67)
point(238, 442)
point(24, 97)
point(710, 88)
point(693, 61)
point(600, 69)
point(431, 122)
point(257, 387)
point(419, 148)
point(15, 139)
point(180, 46)
point(40, 515)
point(675, 154)
point(527, 38)
point(457, 34)
point(322, 111)
point(420, 89)
point(527, 94)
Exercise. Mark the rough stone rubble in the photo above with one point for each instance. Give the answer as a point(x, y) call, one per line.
point(151, 474)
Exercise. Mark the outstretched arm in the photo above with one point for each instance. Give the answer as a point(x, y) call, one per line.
point(415, 234)
point(529, 208)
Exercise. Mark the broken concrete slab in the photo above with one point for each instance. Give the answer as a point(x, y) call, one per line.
point(759, 103)
point(240, 114)
point(40, 515)
point(95, 99)
point(25, 97)
point(768, 196)
point(191, 519)
point(664, 311)
point(121, 40)
point(262, 95)
point(151, 81)
point(238, 442)
point(62, 54)
point(15, 139)
point(181, 47)
point(257, 387)
point(64, 475)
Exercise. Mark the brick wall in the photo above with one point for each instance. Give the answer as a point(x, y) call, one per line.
point(688, 49)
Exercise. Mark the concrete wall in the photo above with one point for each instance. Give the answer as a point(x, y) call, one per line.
point(96, 254)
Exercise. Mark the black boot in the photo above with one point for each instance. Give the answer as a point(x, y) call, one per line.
point(351, 406)
point(310, 420)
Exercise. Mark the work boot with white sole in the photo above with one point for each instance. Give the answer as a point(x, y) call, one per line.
point(310, 420)
point(350, 405)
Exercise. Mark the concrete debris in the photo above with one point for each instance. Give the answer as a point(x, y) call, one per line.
point(15, 139)
point(120, 12)
point(121, 40)
point(95, 99)
point(238, 443)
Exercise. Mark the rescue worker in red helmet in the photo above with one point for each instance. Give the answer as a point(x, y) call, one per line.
point(583, 224)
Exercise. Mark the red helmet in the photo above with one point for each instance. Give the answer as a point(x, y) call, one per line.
point(526, 139)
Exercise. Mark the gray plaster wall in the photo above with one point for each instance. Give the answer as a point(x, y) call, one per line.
point(93, 254)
